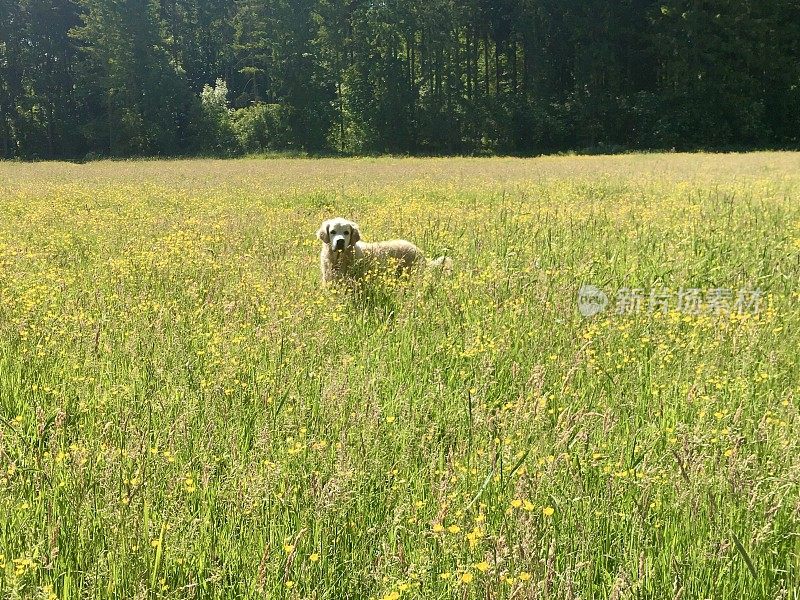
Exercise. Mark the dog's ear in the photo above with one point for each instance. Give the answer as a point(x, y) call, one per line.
point(323, 233)
point(356, 235)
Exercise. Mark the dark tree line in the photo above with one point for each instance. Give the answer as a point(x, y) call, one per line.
point(171, 77)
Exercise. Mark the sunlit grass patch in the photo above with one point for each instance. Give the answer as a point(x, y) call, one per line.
point(186, 412)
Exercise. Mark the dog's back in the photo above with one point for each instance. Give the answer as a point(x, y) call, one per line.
point(404, 252)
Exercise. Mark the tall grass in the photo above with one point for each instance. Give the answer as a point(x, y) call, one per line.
point(184, 413)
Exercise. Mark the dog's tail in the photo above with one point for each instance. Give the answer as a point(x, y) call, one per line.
point(443, 264)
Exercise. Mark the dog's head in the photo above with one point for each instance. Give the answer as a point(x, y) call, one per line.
point(339, 234)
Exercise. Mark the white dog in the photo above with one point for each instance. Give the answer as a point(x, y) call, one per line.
point(345, 256)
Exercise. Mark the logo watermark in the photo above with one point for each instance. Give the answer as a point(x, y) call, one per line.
point(592, 300)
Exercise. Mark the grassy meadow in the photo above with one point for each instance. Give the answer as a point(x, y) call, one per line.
point(185, 413)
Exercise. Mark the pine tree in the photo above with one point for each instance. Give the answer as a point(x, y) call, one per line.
point(138, 98)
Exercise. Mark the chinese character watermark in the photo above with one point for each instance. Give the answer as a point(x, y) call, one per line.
point(690, 301)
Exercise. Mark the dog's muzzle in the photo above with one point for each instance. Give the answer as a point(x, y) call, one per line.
point(338, 245)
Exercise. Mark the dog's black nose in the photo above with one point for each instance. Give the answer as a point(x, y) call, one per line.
point(340, 244)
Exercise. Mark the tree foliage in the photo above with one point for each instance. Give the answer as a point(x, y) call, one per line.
point(126, 77)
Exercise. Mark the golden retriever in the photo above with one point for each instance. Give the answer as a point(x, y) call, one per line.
point(345, 256)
